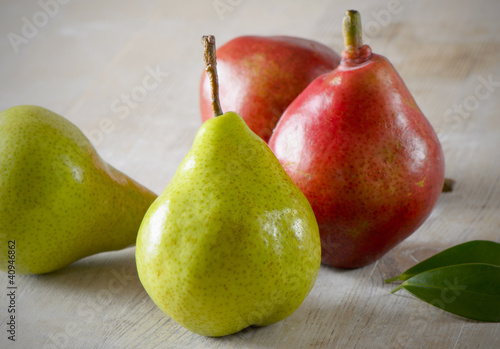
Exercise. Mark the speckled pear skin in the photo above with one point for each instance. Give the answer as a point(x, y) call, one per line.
point(59, 200)
point(232, 241)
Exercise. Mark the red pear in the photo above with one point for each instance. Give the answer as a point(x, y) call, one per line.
point(260, 76)
point(360, 149)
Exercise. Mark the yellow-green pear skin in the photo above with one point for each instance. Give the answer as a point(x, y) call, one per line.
point(231, 242)
point(59, 201)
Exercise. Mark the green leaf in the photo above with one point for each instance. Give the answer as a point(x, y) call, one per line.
point(477, 251)
point(471, 290)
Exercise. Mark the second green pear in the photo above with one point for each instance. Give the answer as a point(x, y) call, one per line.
point(59, 201)
point(232, 241)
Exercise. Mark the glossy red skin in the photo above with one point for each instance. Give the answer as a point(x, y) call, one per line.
point(260, 76)
point(365, 156)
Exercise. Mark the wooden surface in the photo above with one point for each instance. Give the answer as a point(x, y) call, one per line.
point(83, 56)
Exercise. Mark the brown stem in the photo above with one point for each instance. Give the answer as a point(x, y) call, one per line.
point(448, 185)
point(211, 68)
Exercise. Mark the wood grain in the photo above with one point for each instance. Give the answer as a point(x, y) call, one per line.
point(90, 54)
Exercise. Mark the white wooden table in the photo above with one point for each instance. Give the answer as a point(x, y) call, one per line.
point(82, 59)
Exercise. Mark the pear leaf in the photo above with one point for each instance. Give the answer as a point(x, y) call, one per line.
point(476, 251)
point(471, 290)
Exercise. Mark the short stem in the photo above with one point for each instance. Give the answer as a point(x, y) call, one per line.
point(448, 185)
point(211, 68)
point(351, 29)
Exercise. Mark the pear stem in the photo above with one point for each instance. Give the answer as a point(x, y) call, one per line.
point(351, 30)
point(211, 69)
point(448, 185)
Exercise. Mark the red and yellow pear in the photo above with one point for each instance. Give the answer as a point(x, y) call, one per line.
point(363, 153)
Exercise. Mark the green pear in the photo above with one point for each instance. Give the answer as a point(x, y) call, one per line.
point(59, 201)
point(232, 241)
